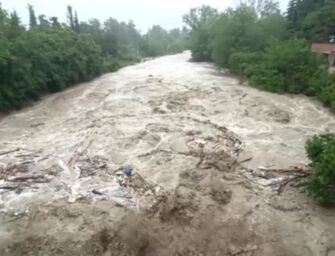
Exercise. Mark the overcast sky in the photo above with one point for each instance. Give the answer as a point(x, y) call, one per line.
point(144, 13)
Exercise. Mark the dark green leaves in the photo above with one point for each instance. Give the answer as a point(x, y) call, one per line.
point(43, 59)
point(321, 150)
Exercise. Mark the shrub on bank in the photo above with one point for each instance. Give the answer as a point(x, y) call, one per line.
point(321, 151)
point(287, 66)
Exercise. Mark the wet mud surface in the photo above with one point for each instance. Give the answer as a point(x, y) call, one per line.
point(197, 140)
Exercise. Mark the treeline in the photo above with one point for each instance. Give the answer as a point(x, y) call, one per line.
point(49, 55)
point(121, 43)
point(257, 42)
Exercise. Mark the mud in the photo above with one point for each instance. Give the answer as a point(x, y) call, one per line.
point(195, 137)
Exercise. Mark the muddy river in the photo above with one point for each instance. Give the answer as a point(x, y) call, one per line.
point(184, 127)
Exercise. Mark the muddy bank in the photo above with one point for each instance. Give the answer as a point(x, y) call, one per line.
point(184, 127)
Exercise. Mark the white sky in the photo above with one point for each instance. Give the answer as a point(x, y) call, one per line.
point(144, 13)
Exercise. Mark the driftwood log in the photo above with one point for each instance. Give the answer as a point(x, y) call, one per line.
point(293, 173)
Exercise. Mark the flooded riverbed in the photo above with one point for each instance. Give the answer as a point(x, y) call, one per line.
point(182, 126)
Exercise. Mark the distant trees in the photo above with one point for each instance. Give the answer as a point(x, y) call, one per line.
point(155, 41)
point(122, 40)
point(158, 41)
point(178, 40)
point(49, 56)
point(311, 19)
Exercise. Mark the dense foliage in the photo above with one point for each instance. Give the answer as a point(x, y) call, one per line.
point(201, 22)
point(44, 58)
point(50, 55)
point(272, 51)
point(321, 150)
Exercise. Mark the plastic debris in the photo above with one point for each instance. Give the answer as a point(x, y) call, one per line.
point(128, 171)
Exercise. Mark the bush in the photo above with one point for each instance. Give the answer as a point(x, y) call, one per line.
point(243, 63)
point(268, 79)
point(289, 62)
point(327, 92)
point(111, 65)
point(321, 150)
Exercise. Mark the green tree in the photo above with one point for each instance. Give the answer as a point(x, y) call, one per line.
point(201, 22)
point(70, 17)
point(198, 16)
point(54, 22)
point(43, 21)
point(14, 28)
point(177, 40)
point(237, 30)
point(269, 8)
point(311, 19)
point(273, 27)
point(76, 23)
point(156, 41)
point(201, 42)
point(32, 17)
point(319, 25)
